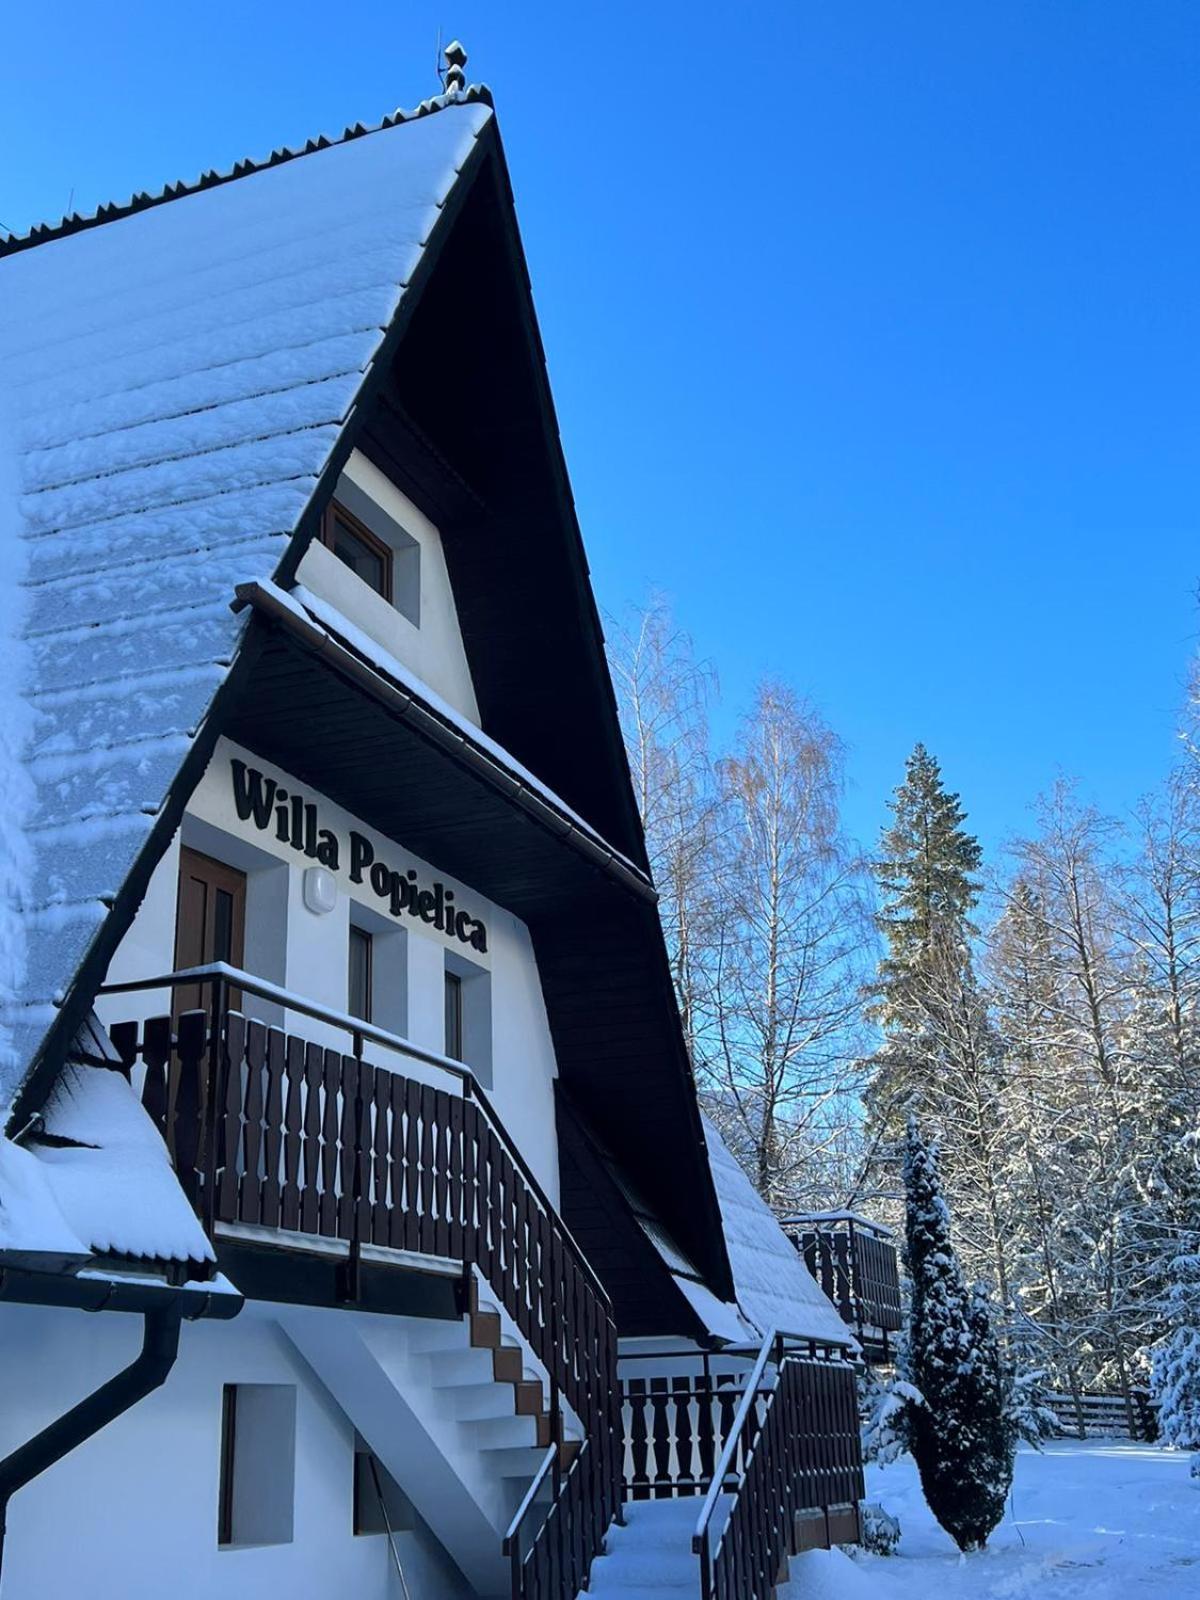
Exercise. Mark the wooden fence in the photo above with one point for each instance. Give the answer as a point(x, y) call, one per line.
point(1095, 1415)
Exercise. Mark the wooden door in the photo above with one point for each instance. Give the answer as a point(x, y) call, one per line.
point(210, 922)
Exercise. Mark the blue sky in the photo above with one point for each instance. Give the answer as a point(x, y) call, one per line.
point(873, 327)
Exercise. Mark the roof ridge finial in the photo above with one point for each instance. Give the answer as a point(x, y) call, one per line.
point(455, 80)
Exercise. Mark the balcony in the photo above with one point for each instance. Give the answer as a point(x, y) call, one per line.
point(303, 1153)
point(857, 1267)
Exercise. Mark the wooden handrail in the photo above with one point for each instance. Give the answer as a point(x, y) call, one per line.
point(789, 1468)
point(271, 1129)
point(214, 972)
point(725, 1459)
point(530, 1495)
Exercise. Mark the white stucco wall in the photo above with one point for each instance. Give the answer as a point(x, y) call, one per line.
point(432, 648)
point(308, 953)
point(132, 1514)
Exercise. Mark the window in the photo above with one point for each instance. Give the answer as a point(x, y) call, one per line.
point(380, 1505)
point(353, 543)
point(361, 964)
point(258, 1464)
point(468, 1034)
point(210, 920)
point(454, 1016)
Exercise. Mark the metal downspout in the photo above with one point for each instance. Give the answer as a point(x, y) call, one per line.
point(160, 1346)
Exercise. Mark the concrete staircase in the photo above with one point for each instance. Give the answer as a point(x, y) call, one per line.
point(493, 1388)
point(457, 1412)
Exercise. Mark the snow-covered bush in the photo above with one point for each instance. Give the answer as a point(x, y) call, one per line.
point(883, 1407)
point(880, 1530)
point(961, 1437)
point(1030, 1417)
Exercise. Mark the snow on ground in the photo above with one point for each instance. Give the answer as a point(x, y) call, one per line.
point(1106, 1520)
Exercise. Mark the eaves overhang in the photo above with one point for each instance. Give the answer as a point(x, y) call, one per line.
point(392, 692)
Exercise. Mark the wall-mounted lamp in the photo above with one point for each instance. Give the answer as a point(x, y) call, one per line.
point(320, 890)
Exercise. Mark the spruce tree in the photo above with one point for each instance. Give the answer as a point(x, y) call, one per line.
point(1176, 1367)
point(941, 1059)
point(925, 874)
point(925, 870)
point(961, 1437)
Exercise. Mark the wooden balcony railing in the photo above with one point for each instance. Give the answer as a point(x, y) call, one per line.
point(268, 1128)
point(803, 1456)
point(857, 1267)
point(676, 1428)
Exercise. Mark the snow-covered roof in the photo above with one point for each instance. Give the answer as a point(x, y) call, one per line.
point(94, 1178)
point(114, 1182)
point(172, 385)
point(774, 1287)
point(807, 1219)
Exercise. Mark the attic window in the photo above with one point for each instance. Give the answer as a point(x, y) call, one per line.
point(353, 543)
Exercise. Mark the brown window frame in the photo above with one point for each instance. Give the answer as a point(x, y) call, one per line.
point(217, 875)
point(336, 512)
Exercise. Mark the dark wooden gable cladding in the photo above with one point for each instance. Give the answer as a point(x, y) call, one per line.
point(462, 419)
point(337, 738)
point(469, 388)
point(647, 1303)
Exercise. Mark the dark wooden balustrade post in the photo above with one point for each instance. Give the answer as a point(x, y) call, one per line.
point(353, 1274)
point(214, 1103)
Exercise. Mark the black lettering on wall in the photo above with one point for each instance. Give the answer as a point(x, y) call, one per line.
point(261, 800)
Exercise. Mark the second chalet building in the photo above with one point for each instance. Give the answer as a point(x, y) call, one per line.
point(342, 1075)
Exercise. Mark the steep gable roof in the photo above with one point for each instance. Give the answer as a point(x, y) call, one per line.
point(174, 386)
point(774, 1287)
point(187, 382)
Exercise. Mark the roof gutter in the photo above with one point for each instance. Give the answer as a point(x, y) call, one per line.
point(267, 601)
point(163, 1311)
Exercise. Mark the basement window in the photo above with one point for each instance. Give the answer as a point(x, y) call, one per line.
point(258, 1464)
point(380, 1504)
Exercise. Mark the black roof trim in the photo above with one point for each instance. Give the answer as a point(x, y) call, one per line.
point(44, 232)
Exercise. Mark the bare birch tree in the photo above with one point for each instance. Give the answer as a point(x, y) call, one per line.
point(664, 693)
point(794, 933)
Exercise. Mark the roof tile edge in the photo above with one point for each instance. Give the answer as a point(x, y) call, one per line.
point(44, 232)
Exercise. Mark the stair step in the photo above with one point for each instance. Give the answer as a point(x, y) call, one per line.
point(651, 1557)
point(529, 1397)
point(435, 1337)
point(520, 1462)
point(648, 1588)
point(636, 1569)
point(502, 1433)
point(508, 1364)
point(447, 1368)
point(490, 1401)
point(485, 1329)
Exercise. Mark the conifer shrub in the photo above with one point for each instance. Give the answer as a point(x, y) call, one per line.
point(961, 1437)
